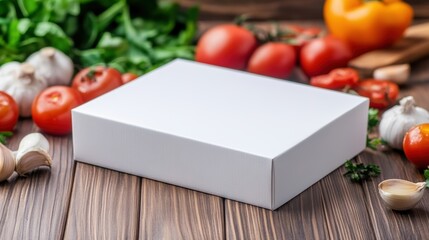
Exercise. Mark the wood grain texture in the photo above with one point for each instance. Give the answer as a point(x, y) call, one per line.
point(301, 218)
point(275, 9)
point(104, 204)
point(169, 212)
point(345, 207)
point(327, 210)
point(390, 224)
point(36, 207)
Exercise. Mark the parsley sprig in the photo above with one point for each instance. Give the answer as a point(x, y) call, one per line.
point(358, 172)
point(4, 136)
point(373, 120)
point(426, 175)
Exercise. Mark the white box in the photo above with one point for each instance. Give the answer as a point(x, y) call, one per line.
point(229, 133)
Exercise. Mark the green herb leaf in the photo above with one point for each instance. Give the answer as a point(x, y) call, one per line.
point(4, 136)
point(372, 119)
point(426, 175)
point(358, 172)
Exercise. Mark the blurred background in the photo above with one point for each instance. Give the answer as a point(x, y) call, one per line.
point(275, 9)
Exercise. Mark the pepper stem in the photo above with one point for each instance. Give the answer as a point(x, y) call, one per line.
point(407, 104)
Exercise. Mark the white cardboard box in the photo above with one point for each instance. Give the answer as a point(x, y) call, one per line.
point(229, 133)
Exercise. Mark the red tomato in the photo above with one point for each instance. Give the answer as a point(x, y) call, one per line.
point(324, 54)
point(297, 36)
point(381, 93)
point(95, 81)
point(128, 77)
point(226, 45)
point(273, 59)
point(51, 109)
point(416, 145)
point(8, 112)
point(336, 79)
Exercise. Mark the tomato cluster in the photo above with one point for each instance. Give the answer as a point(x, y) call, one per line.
point(321, 58)
point(236, 47)
point(51, 109)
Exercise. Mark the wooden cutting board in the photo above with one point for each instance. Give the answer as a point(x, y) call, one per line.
point(414, 45)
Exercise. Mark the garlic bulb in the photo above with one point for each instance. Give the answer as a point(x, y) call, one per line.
point(396, 121)
point(22, 84)
point(7, 163)
point(33, 152)
point(52, 65)
point(7, 73)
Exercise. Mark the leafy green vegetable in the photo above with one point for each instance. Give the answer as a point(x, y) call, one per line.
point(360, 172)
point(132, 36)
point(4, 136)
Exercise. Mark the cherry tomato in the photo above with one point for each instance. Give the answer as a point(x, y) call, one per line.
point(381, 93)
point(226, 45)
point(128, 77)
point(9, 113)
point(51, 109)
point(336, 79)
point(297, 36)
point(95, 81)
point(273, 59)
point(416, 145)
point(321, 55)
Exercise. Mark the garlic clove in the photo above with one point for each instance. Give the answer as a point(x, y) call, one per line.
point(395, 73)
point(400, 194)
point(7, 163)
point(32, 160)
point(31, 141)
point(33, 152)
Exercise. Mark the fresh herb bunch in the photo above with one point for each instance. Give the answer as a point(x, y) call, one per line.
point(373, 121)
point(132, 36)
point(358, 172)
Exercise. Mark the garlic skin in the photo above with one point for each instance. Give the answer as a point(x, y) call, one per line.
point(395, 73)
point(52, 65)
point(396, 121)
point(22, 84)
point(33, 152)
point(7, 163)
point(400, 194)
point(8, 72)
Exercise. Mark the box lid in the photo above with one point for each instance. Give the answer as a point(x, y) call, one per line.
point(230, 109)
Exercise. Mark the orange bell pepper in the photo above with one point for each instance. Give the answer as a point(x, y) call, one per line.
point(367, 24)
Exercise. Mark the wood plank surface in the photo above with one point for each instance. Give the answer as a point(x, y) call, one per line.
point(301, 218)
point(326, 210)
point(36, 207)
point(169, 212)
point(104, 204)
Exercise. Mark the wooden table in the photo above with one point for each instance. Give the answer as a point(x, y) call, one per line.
point(78, 201)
